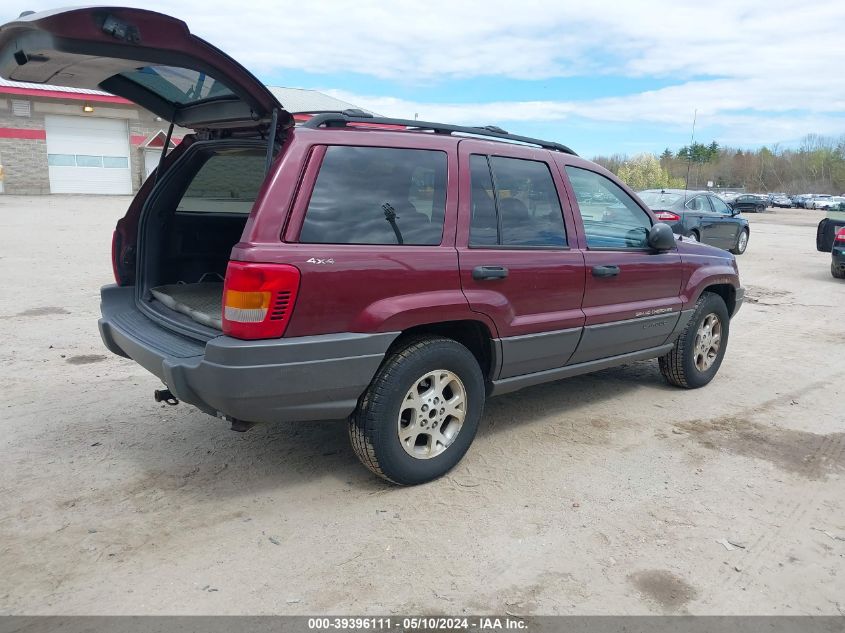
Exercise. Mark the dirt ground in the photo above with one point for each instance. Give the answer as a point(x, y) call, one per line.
point(608, 493)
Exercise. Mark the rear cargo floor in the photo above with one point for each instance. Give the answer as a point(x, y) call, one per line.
point(203, 302)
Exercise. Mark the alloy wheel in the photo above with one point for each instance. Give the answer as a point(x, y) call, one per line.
point(432, 413)
point(708, 340)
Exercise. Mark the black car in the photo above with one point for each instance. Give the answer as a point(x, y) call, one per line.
point(829, 228)
point(700, 215)
point(749, 203)
point(837, 262)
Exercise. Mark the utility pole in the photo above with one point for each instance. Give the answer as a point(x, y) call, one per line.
point(689, 152)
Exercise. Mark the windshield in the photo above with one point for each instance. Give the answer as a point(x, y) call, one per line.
point(657, 199)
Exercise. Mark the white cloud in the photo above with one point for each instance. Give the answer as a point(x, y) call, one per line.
point(671, 107)
point(408, 40)
point(744, 64)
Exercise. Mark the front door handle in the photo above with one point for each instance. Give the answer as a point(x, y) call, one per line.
point(605, 271)
point(489, 272)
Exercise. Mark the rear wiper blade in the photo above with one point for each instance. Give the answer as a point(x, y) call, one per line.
point(390, 216)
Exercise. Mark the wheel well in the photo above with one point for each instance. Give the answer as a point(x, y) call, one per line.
point(728, 294)
point(473, 335)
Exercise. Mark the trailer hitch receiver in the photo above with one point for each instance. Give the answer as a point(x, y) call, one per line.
point(164, 395)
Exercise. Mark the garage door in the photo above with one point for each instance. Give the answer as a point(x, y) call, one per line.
point(88, 155)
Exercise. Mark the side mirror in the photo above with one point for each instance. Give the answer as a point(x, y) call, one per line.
point(661, 237)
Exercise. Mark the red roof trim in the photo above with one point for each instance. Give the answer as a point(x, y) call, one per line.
point(59, 94)
point(40, 135)
point(138, 139)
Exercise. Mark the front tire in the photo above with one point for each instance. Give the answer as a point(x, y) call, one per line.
point(420, 413)
point(741, 243)
point(700, 348)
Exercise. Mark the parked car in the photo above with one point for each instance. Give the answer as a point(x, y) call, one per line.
point(781, 201)
point(701, 216)
point(393, 277)
point(749, 203)
point(826, 202)
point(810, 200)
point(837, 253)
point(829, 227)
point(801, 200)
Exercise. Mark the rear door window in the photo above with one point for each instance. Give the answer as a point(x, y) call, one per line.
point(377, 195)
point(719, 206)
point(699, 203)
point(226, 183)
point(514, 203)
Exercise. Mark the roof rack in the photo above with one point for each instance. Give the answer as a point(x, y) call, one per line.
point(354, 112)
point(340, 119)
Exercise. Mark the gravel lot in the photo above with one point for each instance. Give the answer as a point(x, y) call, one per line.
point(607, 493)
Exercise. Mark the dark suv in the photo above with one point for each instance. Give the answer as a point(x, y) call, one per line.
point(395, 273)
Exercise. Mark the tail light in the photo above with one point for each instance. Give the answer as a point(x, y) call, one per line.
point(840, 235)
point(667, 216)
point(115, 255)
point(258, 299)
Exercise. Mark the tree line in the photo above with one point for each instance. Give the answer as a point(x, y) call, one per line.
point(817, 165)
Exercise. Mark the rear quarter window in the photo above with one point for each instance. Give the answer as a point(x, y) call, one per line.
point(377, 195)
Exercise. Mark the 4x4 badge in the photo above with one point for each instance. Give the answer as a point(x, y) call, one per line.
point(315, 260)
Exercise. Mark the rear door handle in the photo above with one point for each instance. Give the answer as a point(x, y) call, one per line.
point(489, 272)
point(605, 271)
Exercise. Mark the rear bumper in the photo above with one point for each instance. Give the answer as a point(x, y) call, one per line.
point(838, 257)
point(301, 378)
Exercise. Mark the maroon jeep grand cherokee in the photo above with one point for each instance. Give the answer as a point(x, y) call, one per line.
point(395, 273)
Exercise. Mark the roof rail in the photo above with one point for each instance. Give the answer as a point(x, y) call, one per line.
point(351, 112)
point(340, 119)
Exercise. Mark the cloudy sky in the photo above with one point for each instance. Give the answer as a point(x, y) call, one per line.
point(601, 76)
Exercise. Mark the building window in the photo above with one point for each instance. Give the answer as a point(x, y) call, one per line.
point(61, 160)
point(116, 162)
point(89, 161)
point(80, 160)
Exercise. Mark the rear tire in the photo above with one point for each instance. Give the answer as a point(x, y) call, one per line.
point(836, 271)
point(741, 242)
point(421, 411)
point(697, 356)
point(695, 236)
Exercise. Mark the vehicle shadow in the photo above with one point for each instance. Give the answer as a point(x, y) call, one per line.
point(570, 396)
point(274, 456)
